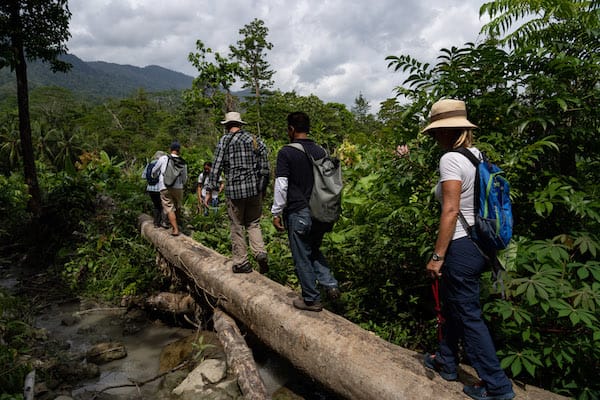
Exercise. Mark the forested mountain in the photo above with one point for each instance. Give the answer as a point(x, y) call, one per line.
point(98, 79)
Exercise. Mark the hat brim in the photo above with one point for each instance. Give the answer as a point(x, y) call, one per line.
point(454, 122)
point(233, 120)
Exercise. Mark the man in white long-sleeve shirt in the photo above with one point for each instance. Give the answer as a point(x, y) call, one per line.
point(293, 186)
point(171, 197)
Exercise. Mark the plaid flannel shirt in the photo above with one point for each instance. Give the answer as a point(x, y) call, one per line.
point(236, 157)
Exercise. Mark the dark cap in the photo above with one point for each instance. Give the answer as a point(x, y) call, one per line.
point(175, 145)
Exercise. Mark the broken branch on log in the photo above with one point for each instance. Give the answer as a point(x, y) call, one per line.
point(239, 357)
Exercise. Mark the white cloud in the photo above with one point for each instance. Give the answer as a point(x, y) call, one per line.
point(334, 49)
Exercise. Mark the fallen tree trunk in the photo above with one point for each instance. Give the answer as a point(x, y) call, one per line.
point(239, 357)
point(347, 359)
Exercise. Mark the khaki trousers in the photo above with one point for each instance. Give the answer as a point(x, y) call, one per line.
point(245, 214)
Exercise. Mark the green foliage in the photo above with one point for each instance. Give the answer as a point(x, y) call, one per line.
point(16, 335)
point(199, 348)
point(213, 76)
point(549, 326)
point(39, 27)
point(536, 108)
point(13, 204)
point(251, 55)
point(111, 259)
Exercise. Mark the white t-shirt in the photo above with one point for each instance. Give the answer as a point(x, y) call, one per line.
point(215, 193)
point(456, 167)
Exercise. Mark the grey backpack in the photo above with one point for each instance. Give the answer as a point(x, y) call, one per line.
point(174, 168)
point(326, 197)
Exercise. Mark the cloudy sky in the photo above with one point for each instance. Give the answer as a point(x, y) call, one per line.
point(334, 49)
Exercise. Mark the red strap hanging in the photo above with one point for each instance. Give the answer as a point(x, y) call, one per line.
point(435, 288)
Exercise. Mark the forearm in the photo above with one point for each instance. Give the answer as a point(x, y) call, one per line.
point(446, 231)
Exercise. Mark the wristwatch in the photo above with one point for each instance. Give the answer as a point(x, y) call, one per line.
point(437, 257)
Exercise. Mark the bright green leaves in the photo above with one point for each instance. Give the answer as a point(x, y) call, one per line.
point(527, 360)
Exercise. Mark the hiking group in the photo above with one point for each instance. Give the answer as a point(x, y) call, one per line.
point(307, 202)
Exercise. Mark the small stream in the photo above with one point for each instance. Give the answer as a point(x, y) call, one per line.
point(79, 326)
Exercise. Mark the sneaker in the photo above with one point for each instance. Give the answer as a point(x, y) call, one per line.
point(333, 292)
point(478, 392)
point(307, 305)
point(263, 263)
point(242, 269)
point(430, 362)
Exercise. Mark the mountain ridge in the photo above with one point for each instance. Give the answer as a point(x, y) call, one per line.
point(99, 80)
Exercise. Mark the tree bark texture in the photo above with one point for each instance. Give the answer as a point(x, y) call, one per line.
point(239, 357)
point(29, 170)
point(342, 356)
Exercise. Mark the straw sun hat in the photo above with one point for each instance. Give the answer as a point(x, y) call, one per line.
point(232, 117)
point(448, 113)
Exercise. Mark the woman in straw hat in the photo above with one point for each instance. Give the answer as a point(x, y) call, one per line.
point(457, 261)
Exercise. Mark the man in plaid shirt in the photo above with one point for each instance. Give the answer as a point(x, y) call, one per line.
point(243, 158)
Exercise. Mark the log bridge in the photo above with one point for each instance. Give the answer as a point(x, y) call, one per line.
point(345, 358)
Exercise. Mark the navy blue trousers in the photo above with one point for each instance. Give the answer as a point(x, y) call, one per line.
point(459, 292)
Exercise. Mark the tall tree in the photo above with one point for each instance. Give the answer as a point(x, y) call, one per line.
point(255, 71)
point(32, 29)
point(213, 76)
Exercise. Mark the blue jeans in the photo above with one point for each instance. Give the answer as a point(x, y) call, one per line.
point(461, 309)
point(305, 240)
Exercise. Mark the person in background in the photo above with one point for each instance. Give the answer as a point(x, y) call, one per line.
point(238, 155)
point(293, 187)
point(202, 179)
point(171, 197)
point(457, 261)
point(152, 188)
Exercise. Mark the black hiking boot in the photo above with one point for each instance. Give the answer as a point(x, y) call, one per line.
point(242, 269)
point(263, 263)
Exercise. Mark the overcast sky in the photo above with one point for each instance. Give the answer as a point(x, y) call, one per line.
point(335, 49)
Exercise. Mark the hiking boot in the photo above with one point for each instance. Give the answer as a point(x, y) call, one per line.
point(430, 362)
point(307, 305)
point(478, 392)
point(333, 292)
point(242, 269)
point(263, 263)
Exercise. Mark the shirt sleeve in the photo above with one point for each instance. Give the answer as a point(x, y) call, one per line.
point(263, 158)
point(280, 196)
point(451, 167)
point(215, 172)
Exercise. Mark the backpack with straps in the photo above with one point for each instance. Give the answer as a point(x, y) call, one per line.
point(493, 226)
point(148, 174)
point(175, 166)
point(326, 197)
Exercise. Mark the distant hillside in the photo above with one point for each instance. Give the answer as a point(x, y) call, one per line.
point(98, 79)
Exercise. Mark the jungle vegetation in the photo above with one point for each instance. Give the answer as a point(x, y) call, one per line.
point(532, 88)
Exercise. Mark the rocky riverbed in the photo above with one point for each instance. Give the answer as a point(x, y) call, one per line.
point(89, 350)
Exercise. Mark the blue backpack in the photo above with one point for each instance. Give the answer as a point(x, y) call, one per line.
point(148, 175)
point(493, 211)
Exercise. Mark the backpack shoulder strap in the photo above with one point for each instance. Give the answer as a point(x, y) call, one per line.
point(475, 161)
point(297, 146)
point(467, 153)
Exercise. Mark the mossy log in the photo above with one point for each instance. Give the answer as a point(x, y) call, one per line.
point(349, 360)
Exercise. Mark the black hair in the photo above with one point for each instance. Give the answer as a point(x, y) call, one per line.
point(208, 164)
point(299, 121)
